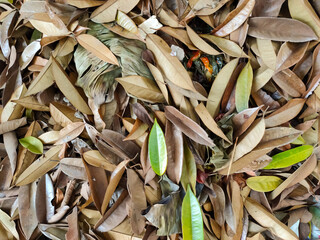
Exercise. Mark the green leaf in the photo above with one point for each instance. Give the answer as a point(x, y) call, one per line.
point(192, 224)
point(33, 144)
point(243, 88)
point(157, 149)
point(264, 183)
point(315, 211)
point(290, 157)
point(189, 169)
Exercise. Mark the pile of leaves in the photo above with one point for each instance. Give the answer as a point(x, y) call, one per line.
point(159, 119)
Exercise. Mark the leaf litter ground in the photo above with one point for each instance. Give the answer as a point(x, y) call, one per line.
point(159, 119)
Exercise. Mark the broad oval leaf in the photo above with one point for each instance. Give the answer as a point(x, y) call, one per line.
point(280, 29)
point(33, 144)
point(264, 183)
point(290, 157)
point(191, 218)
point(157, 149)
point(243, 88)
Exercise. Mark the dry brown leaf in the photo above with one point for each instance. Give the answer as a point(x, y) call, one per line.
point(31, 102)
point(114, 181)
point(206, 118)
point(200, 43)
point(289, 54)
point(285, 113)
point(188, 126)
point(280, 29)
point(169, 65)
point(268, 220)
point(142, 88)
point(250, 138)
point(12, 125)
point(101, 51)
point(235, 19)
point(39, 167)
point(70, 132)
point(301, 173)
point(174, 143)
point(95, 159)
point(68, 89)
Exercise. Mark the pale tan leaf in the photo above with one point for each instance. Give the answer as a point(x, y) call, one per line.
point(235, 18)
point(227, 46)
point(93, 45)
point(12, 125)
point(42, 81)
point(114, 181)
point(142, 88)
point(285, 113)
point(70, 132)
point(63, 114)
point(50, 137)
point(32, 103)
point(207, 119)
point(171, 66)
point(219, 86)
point(303, 11)
point(8, 224)
point(267, 53)
point(301, 173)
point(94, 158)
point(73, 167)
point(200, 43)
point(39, 167)
point(68, 89)
point(250, 138)
point(268, 220)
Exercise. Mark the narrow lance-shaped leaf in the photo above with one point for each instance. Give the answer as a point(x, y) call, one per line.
point(157, 149)
point(189, 169)
point(33, 144)
point(264, 183)
point(290, 157)
point(243, 88)
point(192, 225)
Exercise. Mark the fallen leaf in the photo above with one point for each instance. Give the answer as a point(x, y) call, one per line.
point(188, 126)
point(263, 183)
point(235, 19)
point(33, 144)
point(39, 167)
point(280, 29)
